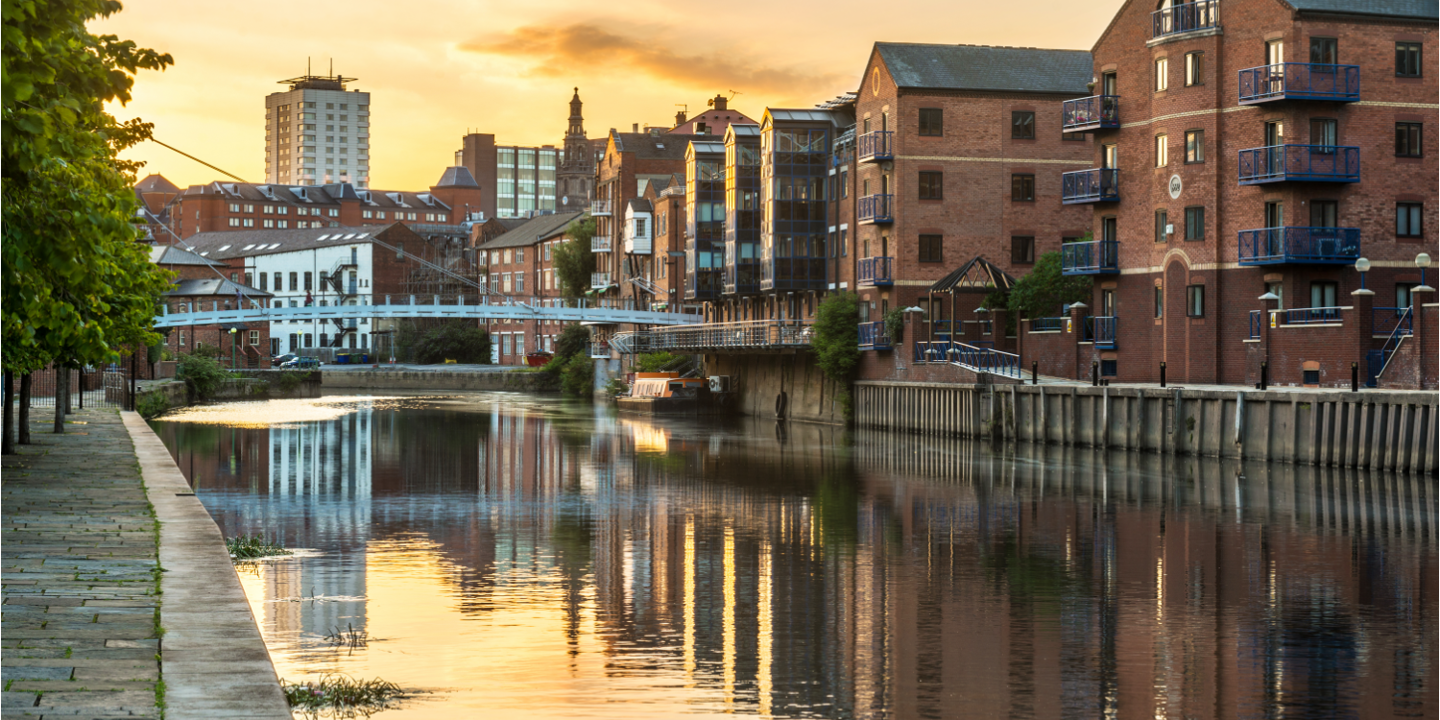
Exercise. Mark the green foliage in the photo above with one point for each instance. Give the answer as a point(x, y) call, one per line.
point(340, 696)
point(1042, 291)
point(895, 325)
point(573, 259)
point(289, 380)
point(577, 376)
point(75, 285)
point(250, 547)
point(209, 351)
point(152, 405)
point(837, 343)
point(656, 361)
point(573, 340)
point(616, 386)
point(202, 375)
point(461, 341)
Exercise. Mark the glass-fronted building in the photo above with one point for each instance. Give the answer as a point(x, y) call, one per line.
point(704, 219)
point(742, 210)
point(525, 180)
point(795, 150)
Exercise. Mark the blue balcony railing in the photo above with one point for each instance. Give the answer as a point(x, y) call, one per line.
point(1100, 329)
point(1300, 245)
point(1300, 163)
point(874, 272)
point(1047, 324)
point(972, 357)
point(1310, 316)
point(875, 146)
point(1186, 17)
point(873, 336)
point(877, 209)
point(1096, 257)
point(1090, 186)
point(1097, 112)
point(1390, 320)
point(1300, 81)
point(1257, 321)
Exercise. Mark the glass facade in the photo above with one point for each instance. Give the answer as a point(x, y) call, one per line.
point(793, 228)
point(525, 181)
point(742, 210)
point(704, 220)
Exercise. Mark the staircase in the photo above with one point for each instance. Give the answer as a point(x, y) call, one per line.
point(1376, 360)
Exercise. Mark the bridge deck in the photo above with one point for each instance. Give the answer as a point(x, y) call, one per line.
point(508, 311)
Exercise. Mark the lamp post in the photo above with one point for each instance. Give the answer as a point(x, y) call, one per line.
point(232, 348)
point(1362, 266)
point(1422, 261)
point(978, 310)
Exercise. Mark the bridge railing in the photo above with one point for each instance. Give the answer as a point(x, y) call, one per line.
point(744, 335)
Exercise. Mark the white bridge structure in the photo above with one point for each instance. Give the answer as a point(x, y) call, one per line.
point(509, 309)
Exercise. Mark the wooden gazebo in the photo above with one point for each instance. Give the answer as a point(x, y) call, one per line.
point(977, 276)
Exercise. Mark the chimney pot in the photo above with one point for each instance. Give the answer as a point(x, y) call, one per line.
point(679, 118)
point(720, 102)
point(635, 127)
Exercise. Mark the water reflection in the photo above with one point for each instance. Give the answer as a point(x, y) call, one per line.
point(544, 560)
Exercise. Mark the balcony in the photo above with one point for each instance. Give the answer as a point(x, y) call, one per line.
point(1300, 163)
point(1311, 316)
point(1097, 257)
point(875, 272)
point(1101, 330)
point(600, 280)
point(873, 336)
point(1090, 186)
point(876, 209)
point(599, 349)
point(600, 208)
point(601, 243)
point(745, 336)
point(1185, 18)
point(1097, 112)
point(1300, 246)
point(875, 146)
point(1300, 81)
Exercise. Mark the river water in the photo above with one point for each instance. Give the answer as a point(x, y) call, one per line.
point(517, 556)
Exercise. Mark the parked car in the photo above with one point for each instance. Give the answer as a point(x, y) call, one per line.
point(280, 360)
point(301, 363)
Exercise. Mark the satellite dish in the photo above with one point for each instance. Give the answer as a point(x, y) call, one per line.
point(565, 200)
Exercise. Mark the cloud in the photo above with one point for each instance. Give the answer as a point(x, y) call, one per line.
point(582, 48)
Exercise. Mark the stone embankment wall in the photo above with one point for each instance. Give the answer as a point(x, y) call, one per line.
point(254, 385)
point(758, 382)
point(436, 380)
point(1394, 430)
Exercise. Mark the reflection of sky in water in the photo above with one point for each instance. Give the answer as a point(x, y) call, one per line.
point(523, 557)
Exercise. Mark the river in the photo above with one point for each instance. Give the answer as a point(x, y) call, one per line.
point(517, 556)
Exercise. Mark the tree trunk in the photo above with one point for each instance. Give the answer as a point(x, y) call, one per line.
point(62, 378)
point(24, 420)
point(9, 439)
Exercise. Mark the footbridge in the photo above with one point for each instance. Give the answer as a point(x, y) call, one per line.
point(577, 310)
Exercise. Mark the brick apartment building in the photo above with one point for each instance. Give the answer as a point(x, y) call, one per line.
point(223, 206)
point(665, 269)
point(519, 267)
point(202, 284)
point(1251, 148)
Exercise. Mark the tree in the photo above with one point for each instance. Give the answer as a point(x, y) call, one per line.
point(76, 286)
point(573, 260)
point(837, 344)
point(1042, 291)
point(573, 340)
point(458, 340)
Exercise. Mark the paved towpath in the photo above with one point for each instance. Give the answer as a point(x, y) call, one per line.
point(79, 575)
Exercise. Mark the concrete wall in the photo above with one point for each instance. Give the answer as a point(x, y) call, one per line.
point(756, 381)
point(423, 380)
point(1375, 429)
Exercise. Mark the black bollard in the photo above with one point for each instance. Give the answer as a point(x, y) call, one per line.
point(1034, 373)
point(1162, 373)
point(1264, 375)
point(1354, 377)
point(1094, 374)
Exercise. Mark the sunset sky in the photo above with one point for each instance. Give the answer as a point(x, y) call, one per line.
point(438, 68)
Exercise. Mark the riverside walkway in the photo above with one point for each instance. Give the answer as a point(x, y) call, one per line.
point(83, 595)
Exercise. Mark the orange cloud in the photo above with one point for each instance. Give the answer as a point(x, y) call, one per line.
point(582, 48)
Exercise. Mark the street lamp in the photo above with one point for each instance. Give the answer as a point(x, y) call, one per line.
point(1362, 266)
point(232, 348)
point(1422, 261)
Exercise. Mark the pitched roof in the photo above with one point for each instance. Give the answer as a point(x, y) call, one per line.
point(978, 275)
point(317, 195)
point(220, 245)
point(639, 205)
point(533, 231)
point(172, 255)
point(1425, 9)
point(219, 287)
point(982, 67)
point(156, 183)
point(457, 176)
point(662, 146)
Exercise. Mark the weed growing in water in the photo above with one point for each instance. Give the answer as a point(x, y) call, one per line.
point(341, 696)
point(250, 547)
point(349, 638)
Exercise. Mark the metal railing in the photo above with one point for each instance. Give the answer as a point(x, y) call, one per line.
point(1378, 359)
point(601, 243)
point(1090, 186)
point(742, 335)
point(599, 349)
point(874, 146)
point(874, 271)
point(971, 357)
point(1047, 324)
point(600, 280)
point(1300, 81)
point(873, 336)
point(1310, 316)
point(600, 208)
point(1257, 323)
point(1100, 329)
point(1304, 163)
point(1389, 320)
point(1186, 17)
point(1315, 245)
point(1090, 258)
point(876, 209)
point(1090, 113)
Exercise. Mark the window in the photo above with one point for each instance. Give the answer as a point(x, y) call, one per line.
point(1162, 150)
point(1194, 223)
point(1161, 220)
point(249, 222)
point(1403, 295)
point(1407, 139)
point(1022, 188)
point(1194, 68)
point(1278, 290)
point(1110, 157)
point(234, 222)
point(1195, 301)
point(520, 252)
point(1022, 125)
point(255, 338)
point(844, 182)
point(932, 248)
point(1323, 131)
point(1159, 301)
point(1109, 230)
point(308, 281)
point(1022, 250)
point(931, 185)
point(1407, 219)
point(1162, 74)
point(1194, 146)
point(1407, 59)
point(294, 282)
point(1323, 213)
point(931, 121)
point(1322, 294)
point(234, 207)
point(1324, 51)
point(264, 282)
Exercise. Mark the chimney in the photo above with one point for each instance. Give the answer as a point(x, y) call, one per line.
point(635, 127)
point(679, 118)
point(720, 102)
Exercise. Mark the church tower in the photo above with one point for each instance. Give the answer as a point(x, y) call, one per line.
point(575, 178)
